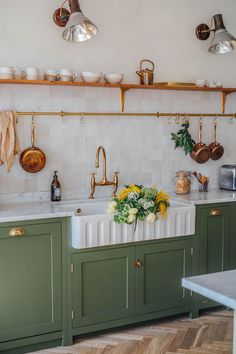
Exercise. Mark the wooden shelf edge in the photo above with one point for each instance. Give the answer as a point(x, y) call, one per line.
point(119, 86)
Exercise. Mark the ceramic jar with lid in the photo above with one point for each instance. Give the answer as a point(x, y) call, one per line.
point(183, 182)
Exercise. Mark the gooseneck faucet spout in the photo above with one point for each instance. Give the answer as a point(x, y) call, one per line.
point(104, 181)
point(101, 148)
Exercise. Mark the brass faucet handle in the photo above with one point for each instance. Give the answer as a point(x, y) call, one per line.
point(116, 183)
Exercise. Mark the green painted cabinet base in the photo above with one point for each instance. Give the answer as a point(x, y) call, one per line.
point(32, 271)
point(214, 244)
point(117, 286)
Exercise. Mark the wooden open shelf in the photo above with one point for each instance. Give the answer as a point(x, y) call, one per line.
point(125, 87)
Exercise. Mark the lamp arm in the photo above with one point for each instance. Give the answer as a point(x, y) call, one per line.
point(74, 6)
point(61, 10)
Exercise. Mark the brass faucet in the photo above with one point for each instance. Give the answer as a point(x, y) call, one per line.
point(104, 181)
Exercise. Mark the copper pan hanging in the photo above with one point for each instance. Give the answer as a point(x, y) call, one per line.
point(201, 153)
point(32, 159)
point(217, 150)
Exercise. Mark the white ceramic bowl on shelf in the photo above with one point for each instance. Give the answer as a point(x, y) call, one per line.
point(91, 77)
point(114, 78)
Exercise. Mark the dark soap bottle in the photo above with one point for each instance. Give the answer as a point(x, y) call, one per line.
point(55, 189)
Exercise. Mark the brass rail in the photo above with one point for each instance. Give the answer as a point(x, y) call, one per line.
point(124, 114)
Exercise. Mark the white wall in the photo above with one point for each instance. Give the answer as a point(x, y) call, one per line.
point(129, 31)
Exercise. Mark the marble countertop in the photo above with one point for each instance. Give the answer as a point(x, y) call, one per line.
point(212, 196)
point(220, 287)
point(47, 209)
point(35, 210)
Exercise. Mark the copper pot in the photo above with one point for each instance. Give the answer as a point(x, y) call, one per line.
point(201, 153)
point(33, 159)
point(217, 150)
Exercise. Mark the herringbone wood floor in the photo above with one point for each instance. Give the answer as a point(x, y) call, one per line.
point(211, 333)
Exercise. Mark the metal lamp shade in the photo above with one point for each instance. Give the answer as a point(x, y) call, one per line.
point(222, 42)
point(79, 28)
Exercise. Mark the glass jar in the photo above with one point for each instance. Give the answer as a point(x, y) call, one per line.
point(183, 182)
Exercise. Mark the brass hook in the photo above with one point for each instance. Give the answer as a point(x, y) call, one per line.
point(82, 118)
point(200, 118)
point(216, 117)
point(158, 115)
point(185, 118)
point(33, 118)
point(169, 120)
point(232, 118)
point(178, 116)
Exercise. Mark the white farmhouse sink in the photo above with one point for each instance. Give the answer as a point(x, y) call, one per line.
point(93, 227)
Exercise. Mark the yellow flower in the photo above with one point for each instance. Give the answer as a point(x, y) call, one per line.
point(163, 210)
point(125, 192)
point(162, 197)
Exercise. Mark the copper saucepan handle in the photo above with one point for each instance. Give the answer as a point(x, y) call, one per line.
point(200, 132)
point(32, 132)
point(214, 132)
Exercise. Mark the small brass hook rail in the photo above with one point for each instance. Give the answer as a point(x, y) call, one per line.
point(127, 114)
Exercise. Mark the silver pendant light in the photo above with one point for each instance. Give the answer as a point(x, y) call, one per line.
point(78, 28)
point(223, 41)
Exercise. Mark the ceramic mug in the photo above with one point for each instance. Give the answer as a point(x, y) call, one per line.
point(67, 75)
point(6, 73)
point(18, 73)
point(50, 75)
point(32, 73)
point(200, 82)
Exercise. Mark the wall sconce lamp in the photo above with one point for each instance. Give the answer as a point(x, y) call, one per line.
point(223, 41)
point(78, 28)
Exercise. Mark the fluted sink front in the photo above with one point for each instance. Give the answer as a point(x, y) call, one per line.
point(93, 227)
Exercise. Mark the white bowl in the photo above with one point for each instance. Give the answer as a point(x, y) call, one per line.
point(114, 78)
point(90, 77)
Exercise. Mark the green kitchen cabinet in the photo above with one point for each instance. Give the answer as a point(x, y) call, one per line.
point(161, 267)
point(103, 285)
point(31, 280)
point(213, 240)
point(233, 237)
point(128, 284)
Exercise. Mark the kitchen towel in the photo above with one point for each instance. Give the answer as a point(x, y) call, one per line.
point(9, 144)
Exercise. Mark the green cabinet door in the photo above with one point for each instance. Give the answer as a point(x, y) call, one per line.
point(103, 286)
point(214, 238)
point(214, 233)
point(160, 268)
point(30, 281)
point(233, 237)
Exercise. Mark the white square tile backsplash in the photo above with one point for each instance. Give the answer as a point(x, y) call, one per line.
point(139, 147)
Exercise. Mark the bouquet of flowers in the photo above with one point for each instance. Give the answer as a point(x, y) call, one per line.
point(138, 203)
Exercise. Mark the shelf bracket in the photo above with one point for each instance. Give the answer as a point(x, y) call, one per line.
point(223, 100)
point(122, 98)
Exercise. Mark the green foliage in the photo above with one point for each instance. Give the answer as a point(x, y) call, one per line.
point(183, 139)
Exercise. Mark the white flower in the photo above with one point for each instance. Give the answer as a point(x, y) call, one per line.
point(147, 205)
point(151, 218)
point(133, 196)
point(112, 204)
point(133, 211)
point(131, 218)
point(111, 210)
point(141, 201)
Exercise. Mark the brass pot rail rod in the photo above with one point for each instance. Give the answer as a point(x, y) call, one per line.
point(124, 114)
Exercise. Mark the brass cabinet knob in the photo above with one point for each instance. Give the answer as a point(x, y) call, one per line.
point(17, 231)
point(215, 212)
point(138, 263)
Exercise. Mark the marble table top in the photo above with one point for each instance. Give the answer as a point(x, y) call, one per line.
point(220, 287)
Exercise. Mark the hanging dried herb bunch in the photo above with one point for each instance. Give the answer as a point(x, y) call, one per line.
point(183, 139)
